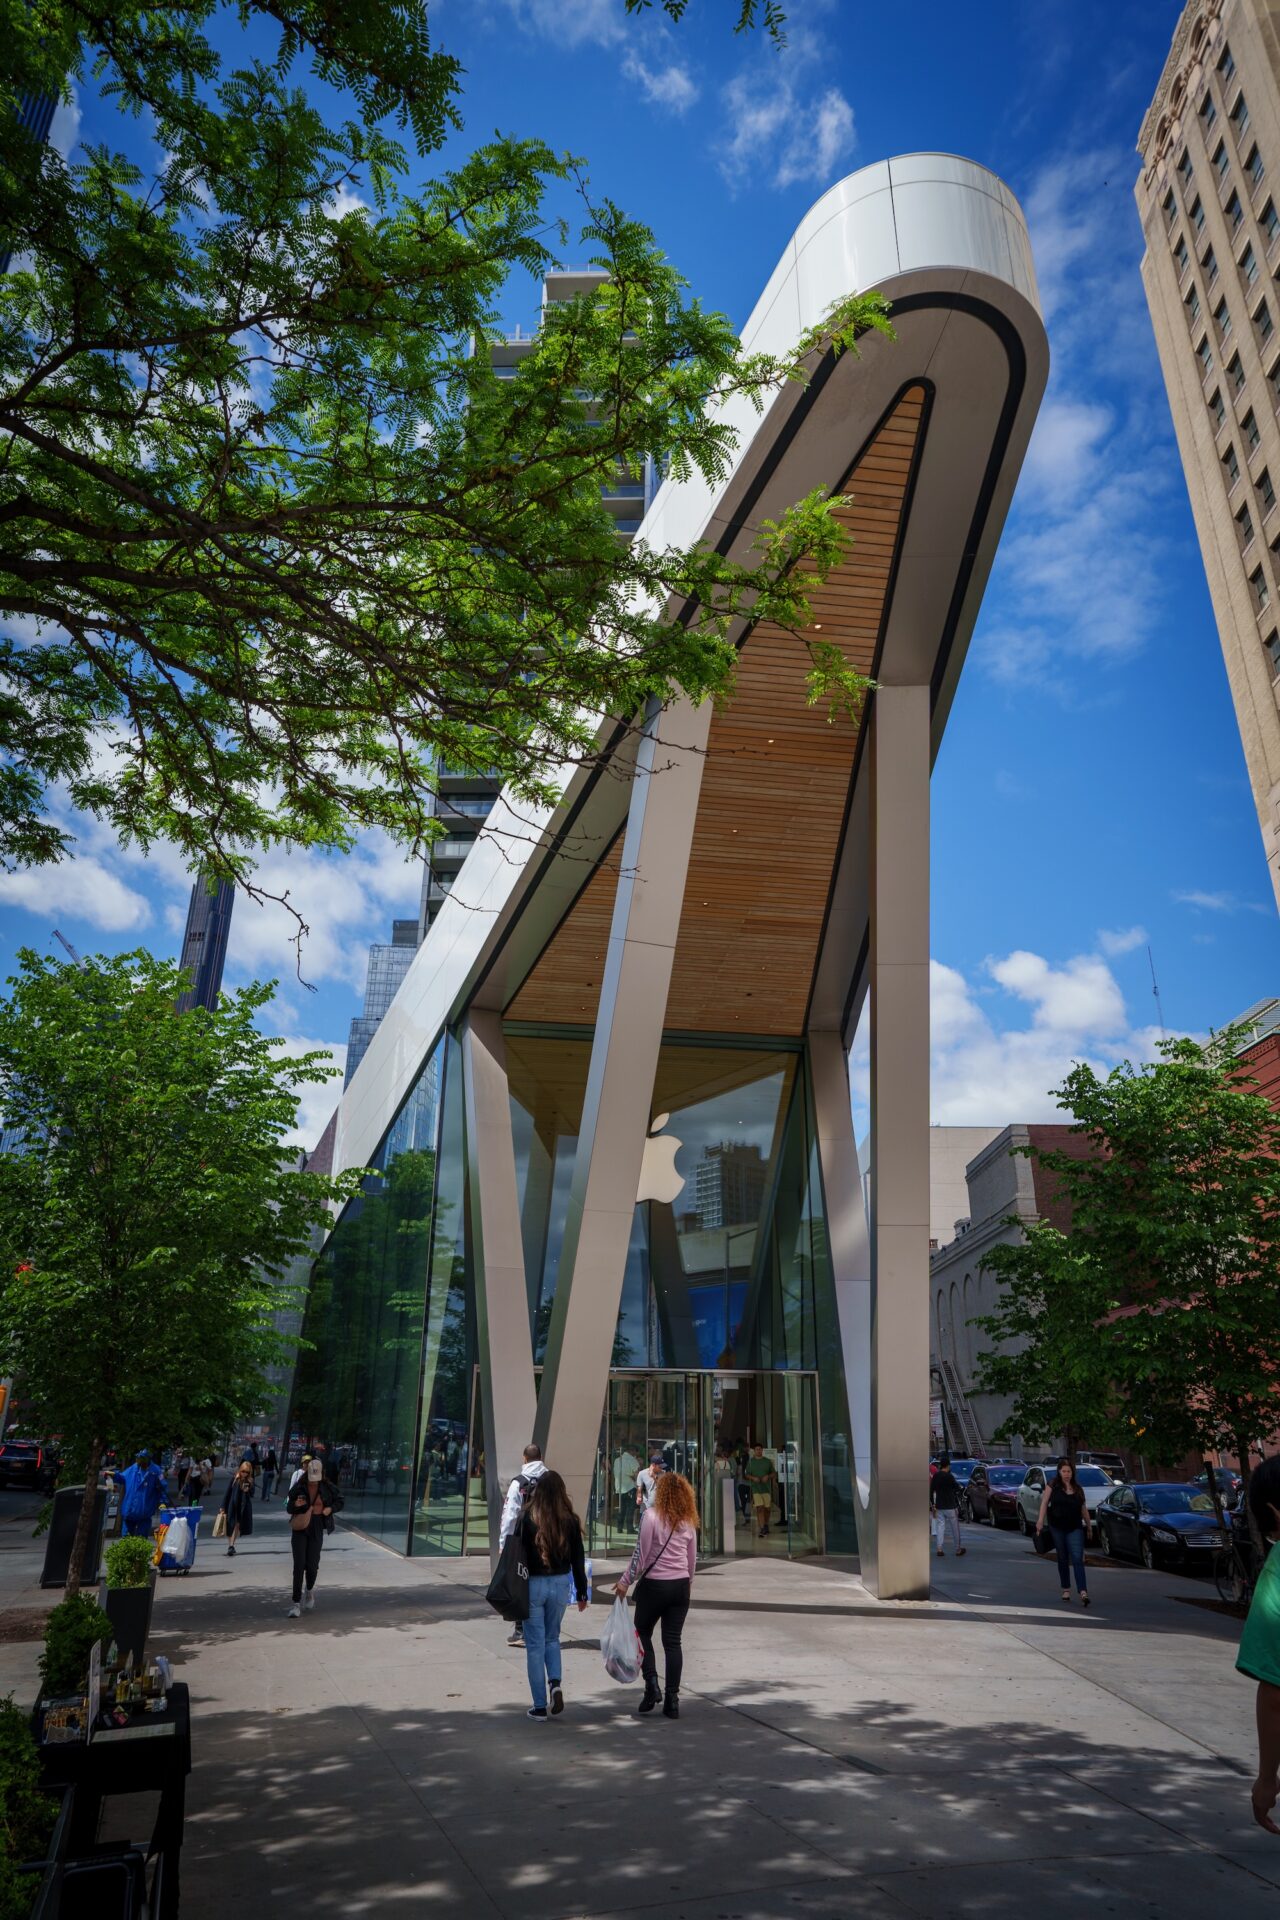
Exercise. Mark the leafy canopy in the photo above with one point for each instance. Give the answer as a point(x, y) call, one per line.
point(1163, 1305)
point(274, 537)
point(153, 1202)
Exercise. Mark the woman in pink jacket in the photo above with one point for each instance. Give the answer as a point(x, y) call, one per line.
point(665, 1556)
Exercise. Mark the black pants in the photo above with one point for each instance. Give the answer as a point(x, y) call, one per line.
point(306, 1558)
point(665, 1601)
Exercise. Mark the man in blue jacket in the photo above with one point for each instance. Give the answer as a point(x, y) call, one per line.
point(143, 1486)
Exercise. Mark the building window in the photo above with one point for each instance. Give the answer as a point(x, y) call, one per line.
point(1263, 322)
point(1249, 265)
point(1192, 305)
point(1226, 66)
point(1273, 381)
point(1184, 170)
point(1240, 117)
point(1204, 354)
point(1181, 256)
point(1210, 264)
point(1222, 317)
point(1270, 223)
point(1169, 207)
point(1256, 171)
point(1231, 467)
point(1208, 115)
point(1221, 160)
point(1235, 214)
point(1249, 428)
point(1197, 215)
point(1261, 591)
point(1266, 493)
point(1244, 527)
point(1272, 646)
point(1235, 374)
point(1218, 409)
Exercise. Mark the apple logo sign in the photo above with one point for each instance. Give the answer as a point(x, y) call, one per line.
point(658, 1177)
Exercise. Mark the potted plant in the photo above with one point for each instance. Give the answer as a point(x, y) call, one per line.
point(33, 1824)
point(130, 1591)
point(74, 1628)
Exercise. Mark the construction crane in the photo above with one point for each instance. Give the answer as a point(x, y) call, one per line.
point(63, 941)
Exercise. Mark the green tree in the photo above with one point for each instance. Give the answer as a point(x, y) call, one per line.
point(152, 1203)
point(273, 535)
point(1171, 1276)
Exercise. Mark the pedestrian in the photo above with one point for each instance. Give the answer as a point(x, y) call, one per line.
point(270, 1468)
point(664, 1559)
point(625, 1469)
point(761, 1475)
point(513, 1506)
point(551, 1534)
point(944, 1504)
point(311, 1506)
point(647, 1481)
point(1063, 1505)
point(300, 1471)
point(182, 1467)
point(1259, 1654)
point(200, 1480)
point(143, 1490)
point(237, 1504)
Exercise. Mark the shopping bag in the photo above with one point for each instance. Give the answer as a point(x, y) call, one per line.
point(177, 1540)
point(619, 1645)
point(508, 1592)
point(1043, 1540)
point(574, 1595)
point(939, 1529)
point(220, 1524)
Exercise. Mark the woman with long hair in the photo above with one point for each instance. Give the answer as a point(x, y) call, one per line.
point(237, 1504)
point(552, 1538)
point(1063, 1505)
point(665, 1556)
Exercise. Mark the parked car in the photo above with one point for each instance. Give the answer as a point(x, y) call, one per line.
point(1094, 1484)
point(26, 1463)
point(961, 1468)
point(1109, 1462)
point(1161, 1523)
point(992, 1492)
point(1229, 1485)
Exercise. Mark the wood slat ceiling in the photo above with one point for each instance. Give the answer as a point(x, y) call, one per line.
point(772, 804)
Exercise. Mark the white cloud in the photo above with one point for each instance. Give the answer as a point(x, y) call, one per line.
point(1118, 940)
point(671, 87)
point(64, 128)
point(315, 1101)
point(573, 23)
point(1206, 902)
point(343, 201)
point(83, 888)
point(1080, 998)
point(346, 900)
point(782, 123)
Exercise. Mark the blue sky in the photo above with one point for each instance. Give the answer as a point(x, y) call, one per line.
point(1091, 794)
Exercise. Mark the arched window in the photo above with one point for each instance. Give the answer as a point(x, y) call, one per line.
point(954, 1303)
point(967, 1336)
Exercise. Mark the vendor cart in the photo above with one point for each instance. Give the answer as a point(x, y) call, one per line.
point(170, 1563)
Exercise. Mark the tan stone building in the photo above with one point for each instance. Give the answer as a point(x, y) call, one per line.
point(1209, 199)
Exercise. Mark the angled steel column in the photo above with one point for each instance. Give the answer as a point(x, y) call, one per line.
point(896, 1556)
point(616, 1109)
point(507, 1397)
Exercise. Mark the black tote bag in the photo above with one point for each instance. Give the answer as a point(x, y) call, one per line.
point(508, 1592)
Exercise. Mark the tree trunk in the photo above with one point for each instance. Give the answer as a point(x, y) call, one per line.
point(84, 1525)
point(1072, 1443)
point(1246, 1474)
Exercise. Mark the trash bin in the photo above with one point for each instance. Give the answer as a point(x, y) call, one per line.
point(62, 1533)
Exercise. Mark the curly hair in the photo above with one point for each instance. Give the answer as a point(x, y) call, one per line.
point(673, 1501)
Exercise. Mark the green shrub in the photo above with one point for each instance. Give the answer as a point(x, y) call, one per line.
point(74, 1627)
point(129, 1561)
point(26, 1814)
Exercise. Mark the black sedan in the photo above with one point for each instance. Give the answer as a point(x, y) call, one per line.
point(1162, 1524)
point(992, 1492)
point(25, 1463)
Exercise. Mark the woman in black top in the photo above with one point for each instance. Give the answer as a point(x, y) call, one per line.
point(1063, 1507)
point(552, 1539)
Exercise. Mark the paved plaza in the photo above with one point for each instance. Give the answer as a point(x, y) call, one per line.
point(987, 1753)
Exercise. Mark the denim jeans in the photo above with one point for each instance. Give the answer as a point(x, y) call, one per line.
point(1070, 1547)
point(548, 1598)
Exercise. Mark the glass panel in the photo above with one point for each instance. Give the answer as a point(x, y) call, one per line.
point(477, 1514)
point(449, 1350)
point(356, 1389)
point(628, 1438)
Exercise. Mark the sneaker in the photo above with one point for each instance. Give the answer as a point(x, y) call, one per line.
point(308, 1600)
point(295, 1611)
point(515, 1639)
point(231, 1553)
point(557, 1699)
point(536, 1713)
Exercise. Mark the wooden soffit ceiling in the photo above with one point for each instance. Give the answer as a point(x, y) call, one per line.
point(772, 805)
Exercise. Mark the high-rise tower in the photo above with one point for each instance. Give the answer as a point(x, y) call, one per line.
point(1209, 199)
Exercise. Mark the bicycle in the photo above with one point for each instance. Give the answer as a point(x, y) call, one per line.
point(1235, 1569)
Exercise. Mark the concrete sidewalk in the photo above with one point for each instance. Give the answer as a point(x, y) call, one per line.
point(987, 1753)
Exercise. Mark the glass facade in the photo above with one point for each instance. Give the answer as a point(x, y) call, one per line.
point(726, 1331)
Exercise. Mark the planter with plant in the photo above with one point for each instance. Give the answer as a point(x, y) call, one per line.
point(75, 1627)
point(129, 1593)
point(29, 1822)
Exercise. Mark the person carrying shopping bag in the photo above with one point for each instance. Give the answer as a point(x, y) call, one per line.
point(551, 1534)
point(665, 1556)
point(237, 1505)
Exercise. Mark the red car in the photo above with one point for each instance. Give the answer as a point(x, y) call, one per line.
point(992, 1492)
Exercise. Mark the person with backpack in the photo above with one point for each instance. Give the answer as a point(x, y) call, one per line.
point(551, 1535)
point(666, 1553)
point(311, 1506)
point(512, 1507)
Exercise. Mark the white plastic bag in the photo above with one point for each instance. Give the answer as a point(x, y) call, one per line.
point(939, 1530)
point(177, 1541)
point(619, 1645)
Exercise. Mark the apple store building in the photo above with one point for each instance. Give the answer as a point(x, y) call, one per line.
point(615, 1203)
